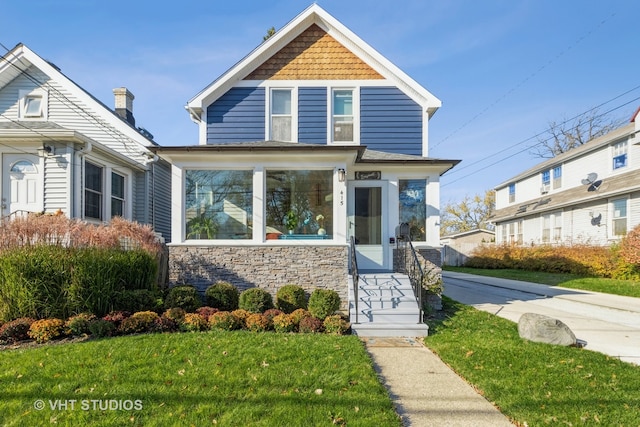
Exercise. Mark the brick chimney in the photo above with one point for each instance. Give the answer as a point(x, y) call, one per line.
point(124, 104)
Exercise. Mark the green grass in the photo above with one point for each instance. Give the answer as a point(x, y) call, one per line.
point(535, 384)
point(628, 288)
point(228, 378)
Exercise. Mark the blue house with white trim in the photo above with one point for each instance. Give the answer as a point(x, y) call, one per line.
point(309, 140)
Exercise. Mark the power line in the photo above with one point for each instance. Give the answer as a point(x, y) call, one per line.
point(527, 148)
point(525, 80)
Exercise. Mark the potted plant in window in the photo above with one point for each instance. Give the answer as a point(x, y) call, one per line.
point(320, 221)
point(291, 221)
point(202, 227)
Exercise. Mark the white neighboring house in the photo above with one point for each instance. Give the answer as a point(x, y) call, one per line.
point(62, 150)
point(590, 194)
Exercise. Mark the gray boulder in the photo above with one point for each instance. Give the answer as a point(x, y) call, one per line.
point(539, 328)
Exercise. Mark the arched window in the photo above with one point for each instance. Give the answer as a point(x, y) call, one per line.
point(23, 166)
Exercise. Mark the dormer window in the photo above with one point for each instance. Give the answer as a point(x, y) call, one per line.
point(281, 115)
point(342, 119)
point(33, 105)
point(620, 155)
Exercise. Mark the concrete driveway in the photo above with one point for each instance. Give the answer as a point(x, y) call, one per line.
point(610, 324)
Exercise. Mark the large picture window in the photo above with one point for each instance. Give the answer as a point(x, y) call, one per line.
point(219, 204)
point(299, 204)
point(413, 207)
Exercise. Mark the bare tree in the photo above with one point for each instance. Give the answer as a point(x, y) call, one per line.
point(468, 214)
point(563, 136)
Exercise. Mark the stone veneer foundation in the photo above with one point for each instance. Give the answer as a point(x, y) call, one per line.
point(268, 267)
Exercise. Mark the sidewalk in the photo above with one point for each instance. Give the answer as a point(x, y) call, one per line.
point(427, 392)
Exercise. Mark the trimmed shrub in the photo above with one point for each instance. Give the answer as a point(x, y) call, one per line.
point(256, 300)
point(16, 330)
point(257, 322)
point(223, 296)
point(224, 320)
point(176, 314)
point(310, 325)
point(630, 247)
point(142, 321)
point(298, 315)
point(290, 298)
point(323, 303)
point(193, 322)
point(134, 300)
point(241, 315)
point(336, 325)
point(46, 329)
point(116, 317)
point(101, 328)
point(79, 324)
point(284, 323)
point(164, 324)
point(185, 297)
point(206, 311)
point(271, 313)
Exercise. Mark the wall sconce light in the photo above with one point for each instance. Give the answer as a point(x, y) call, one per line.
point(46, 150)
point(342, 174)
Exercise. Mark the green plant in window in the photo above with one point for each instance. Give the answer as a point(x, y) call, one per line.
point(291, 220)
point(202, 227)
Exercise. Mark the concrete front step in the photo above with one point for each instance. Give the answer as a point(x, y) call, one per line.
point(390, 330)
point(386, 307)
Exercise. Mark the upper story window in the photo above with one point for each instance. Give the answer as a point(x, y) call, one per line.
point(281, 115)
point(33, 105)
point(343, 115)
point(546, 177)
point(619, 151)
point(557, 177)
point(512, 192)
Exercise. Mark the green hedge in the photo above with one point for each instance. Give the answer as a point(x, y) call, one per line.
point(54, 281)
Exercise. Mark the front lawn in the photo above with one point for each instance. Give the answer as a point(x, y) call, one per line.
point(226, 378)
point(532, 383)
point(628, 288)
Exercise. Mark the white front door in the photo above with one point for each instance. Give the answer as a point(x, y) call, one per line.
point(21, 184)
point(367, 224)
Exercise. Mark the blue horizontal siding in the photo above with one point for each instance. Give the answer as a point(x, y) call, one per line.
point(390, 121)
point(237, 116)
point(312, 115)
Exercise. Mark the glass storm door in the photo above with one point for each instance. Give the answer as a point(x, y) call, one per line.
point(367, 226)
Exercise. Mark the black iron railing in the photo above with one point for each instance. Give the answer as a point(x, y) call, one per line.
point(355, 276)
point(411, 264)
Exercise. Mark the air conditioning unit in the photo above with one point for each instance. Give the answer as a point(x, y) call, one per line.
point(545, 189)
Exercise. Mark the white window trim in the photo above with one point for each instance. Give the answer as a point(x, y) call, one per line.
point(107, 170)
point(23, 95)
point(356, 115)
point(555, 218)
point(294, 111)
point(612, 218)
point(624, 143)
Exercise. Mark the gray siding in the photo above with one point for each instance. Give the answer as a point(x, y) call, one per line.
point(140, 207)
point(237, 116)
point(312, 115)
point(390, 121)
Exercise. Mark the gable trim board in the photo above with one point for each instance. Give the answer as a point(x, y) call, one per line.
point(313, 15)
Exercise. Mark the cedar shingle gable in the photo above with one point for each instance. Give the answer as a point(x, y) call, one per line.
point(314, 55)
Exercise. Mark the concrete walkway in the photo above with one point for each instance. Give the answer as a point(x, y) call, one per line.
point(427, 392)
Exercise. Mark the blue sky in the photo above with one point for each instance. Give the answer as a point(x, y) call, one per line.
point(503, 69)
